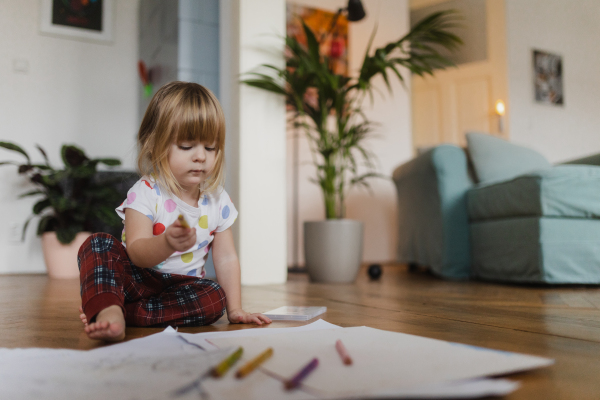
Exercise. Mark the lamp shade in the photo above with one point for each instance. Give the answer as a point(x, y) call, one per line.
point(356, 12)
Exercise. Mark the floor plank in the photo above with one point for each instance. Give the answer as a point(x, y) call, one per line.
point(562, 322)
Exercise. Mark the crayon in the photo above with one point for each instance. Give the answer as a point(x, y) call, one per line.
point(183, 222)
point(339, 346)
point(224, 365)
point(303, 373)
point(252, 365)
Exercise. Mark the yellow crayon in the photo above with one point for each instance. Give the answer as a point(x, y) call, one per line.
point(224, 365)
point(252, 365)
point(183, 222)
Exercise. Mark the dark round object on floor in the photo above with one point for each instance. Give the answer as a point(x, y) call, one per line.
point(375, 271)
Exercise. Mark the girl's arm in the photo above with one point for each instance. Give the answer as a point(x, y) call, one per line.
point(146, 250)
point(227, 267)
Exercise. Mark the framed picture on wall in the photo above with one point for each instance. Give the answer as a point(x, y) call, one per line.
point(548, 78)
point(333, 38)
point(77, 19)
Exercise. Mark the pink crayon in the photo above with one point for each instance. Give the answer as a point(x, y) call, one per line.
point(339, 346)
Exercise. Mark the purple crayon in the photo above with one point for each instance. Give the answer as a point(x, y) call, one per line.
point(295, 381)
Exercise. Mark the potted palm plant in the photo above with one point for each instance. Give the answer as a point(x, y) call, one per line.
point(71, 200)
point(328, 107)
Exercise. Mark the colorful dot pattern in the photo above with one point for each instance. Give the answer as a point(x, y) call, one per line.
point(187, 257)
point(170, 205)
point(203, 222)
point(158, 229)
point(215, 213)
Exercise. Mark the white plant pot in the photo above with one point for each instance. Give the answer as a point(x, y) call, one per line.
point(61, 259)
point(333, 250)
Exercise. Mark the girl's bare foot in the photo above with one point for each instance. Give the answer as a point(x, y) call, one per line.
point(82, 317)
point(109, 325)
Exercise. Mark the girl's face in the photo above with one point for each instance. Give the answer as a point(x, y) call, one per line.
point(192, 162)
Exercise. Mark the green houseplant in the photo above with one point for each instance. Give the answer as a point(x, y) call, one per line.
point(71, 199)
point(328, 107)
point(317, 95)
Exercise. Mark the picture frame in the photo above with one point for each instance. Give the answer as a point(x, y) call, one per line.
point(548, 78)
point(87, 20)
point(333, 38)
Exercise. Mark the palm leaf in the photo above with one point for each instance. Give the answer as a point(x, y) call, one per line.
point(339, 153)
point(14, 147)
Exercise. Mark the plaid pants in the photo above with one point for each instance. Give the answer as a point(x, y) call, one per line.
point(147, 297)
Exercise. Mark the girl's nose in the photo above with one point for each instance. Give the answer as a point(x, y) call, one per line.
point(200, 154)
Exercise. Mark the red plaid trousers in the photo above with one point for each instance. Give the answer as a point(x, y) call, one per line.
point(147, 297)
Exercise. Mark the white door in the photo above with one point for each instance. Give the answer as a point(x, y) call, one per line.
point(462, 99)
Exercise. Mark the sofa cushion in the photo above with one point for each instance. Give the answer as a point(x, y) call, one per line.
point(537, 250)
point(562, 191)
point(495, 159)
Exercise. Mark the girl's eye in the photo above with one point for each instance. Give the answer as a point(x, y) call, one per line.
point(210, 148)
point(185, 147)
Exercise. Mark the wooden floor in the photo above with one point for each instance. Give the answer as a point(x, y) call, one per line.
point(562, 323)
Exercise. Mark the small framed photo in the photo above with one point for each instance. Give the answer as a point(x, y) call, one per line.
point(548, 78)
point(88, 20)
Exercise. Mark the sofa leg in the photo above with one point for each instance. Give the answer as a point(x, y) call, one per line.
point(412, 267)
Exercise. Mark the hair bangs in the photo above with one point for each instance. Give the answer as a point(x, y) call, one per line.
point(199, 120)
point(181, 112)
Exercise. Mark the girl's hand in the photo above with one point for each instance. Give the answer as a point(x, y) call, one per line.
point(180, 238)
point(240, 316)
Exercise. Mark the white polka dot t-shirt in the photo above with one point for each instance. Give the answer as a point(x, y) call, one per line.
point(215, 213)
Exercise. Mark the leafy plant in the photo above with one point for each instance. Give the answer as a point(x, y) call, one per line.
point(70, 198)
point(328, 106)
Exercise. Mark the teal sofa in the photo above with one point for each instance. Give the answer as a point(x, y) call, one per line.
point(542, 226)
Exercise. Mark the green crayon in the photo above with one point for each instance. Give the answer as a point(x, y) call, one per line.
point(224, 365)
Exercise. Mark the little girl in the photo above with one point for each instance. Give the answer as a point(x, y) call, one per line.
point(173, 216)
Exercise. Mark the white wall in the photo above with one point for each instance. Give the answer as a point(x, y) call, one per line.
point(255, 149)
point(391, 142)
point(76, 92)
point(570, 29)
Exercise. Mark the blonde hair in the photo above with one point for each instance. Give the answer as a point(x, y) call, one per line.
point(181, 112)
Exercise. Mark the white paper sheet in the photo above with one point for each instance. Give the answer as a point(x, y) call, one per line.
point(159, 366)
point(383, 361)
point(153, 367)
point(204, 339)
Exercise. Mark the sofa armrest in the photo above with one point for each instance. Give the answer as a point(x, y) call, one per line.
point(589, 160)
point(432, 211)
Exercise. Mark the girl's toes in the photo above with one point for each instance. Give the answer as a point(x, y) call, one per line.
point(92, 329)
